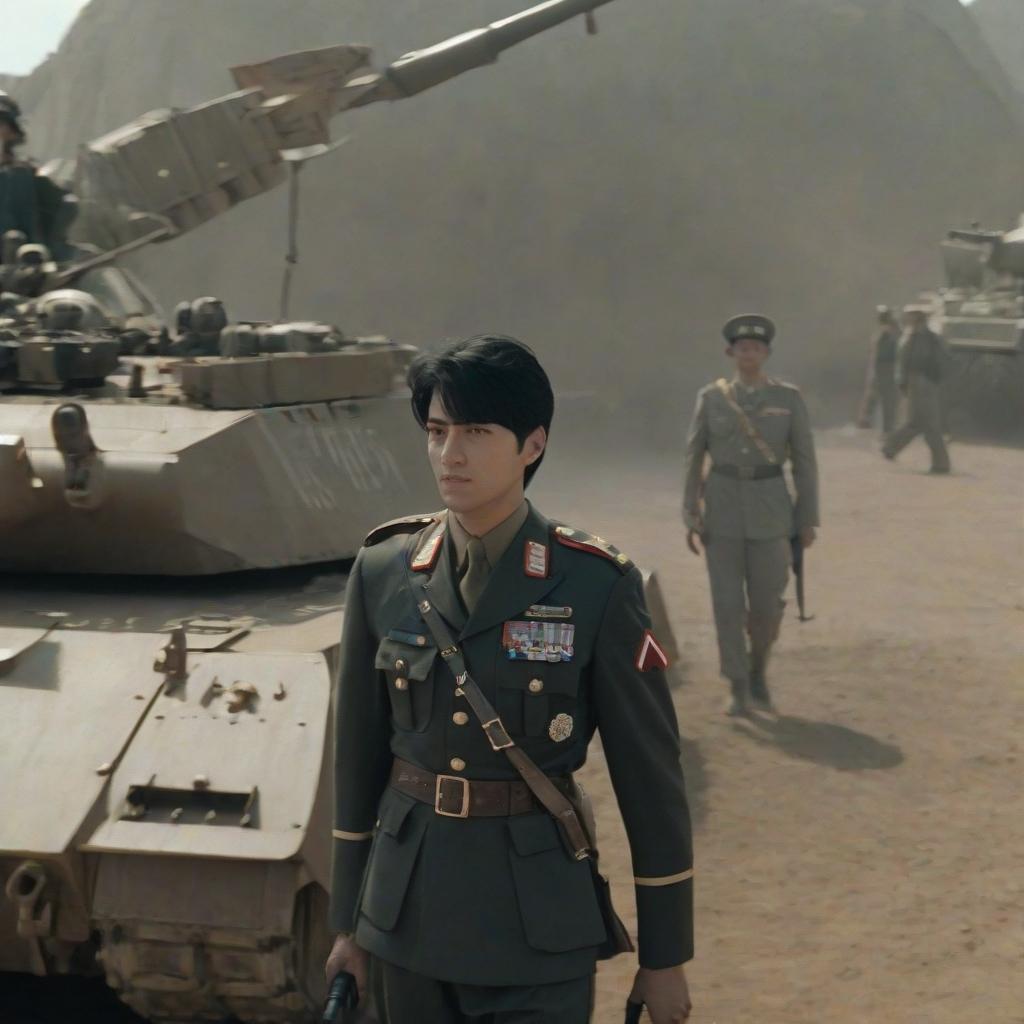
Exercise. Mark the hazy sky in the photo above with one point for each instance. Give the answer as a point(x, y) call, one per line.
point(38, 29)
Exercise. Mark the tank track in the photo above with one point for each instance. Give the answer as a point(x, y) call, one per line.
point(173, 974)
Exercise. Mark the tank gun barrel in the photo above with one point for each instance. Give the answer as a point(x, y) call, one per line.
point(185, 167)
point(976, 235)
point(423, 69)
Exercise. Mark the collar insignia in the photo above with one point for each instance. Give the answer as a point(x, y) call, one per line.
point(535, 559)
point(425, 557)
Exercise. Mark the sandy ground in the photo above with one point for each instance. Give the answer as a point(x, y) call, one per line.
point(860, 857)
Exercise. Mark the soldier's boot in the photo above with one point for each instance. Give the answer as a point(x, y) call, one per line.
point(738, 703)
point(760, 698)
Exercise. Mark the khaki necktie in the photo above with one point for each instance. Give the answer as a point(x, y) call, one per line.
point(474, 579)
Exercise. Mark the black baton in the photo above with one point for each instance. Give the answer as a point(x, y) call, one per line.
point(343, 995)
point(633, 1011)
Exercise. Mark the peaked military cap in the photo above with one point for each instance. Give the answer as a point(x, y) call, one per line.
point(749, 325)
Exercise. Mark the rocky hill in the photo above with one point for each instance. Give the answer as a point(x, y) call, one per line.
point(611, 199)
point(1002, 25)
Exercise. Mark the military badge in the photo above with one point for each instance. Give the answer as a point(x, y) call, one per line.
point(649, 654)
point(535, 559)
point(426, 557)
point(548, 611)
point(560, 728)
point(538, 641)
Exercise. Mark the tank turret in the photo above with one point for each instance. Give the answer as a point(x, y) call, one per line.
point(980, 313)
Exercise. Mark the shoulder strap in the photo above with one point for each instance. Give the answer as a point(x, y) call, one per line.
point(549, 796)
point(748, 428)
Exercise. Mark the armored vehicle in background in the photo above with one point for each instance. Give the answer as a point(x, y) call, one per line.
point(980, 313)
point(177, 505)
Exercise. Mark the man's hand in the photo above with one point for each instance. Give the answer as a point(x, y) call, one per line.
point(347, 956)
point(807, 536)
point(692, 536)
point(664, 993)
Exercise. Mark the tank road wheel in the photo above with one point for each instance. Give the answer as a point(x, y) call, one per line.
point(174, 974)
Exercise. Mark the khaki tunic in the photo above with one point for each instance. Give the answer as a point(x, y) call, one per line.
point(746, 524)
point(921, 367)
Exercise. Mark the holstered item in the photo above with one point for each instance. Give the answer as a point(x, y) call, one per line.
point(579, 843)
point(617, 937)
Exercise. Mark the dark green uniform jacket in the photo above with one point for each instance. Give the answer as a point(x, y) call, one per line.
point(34, 205)
point(498, 901)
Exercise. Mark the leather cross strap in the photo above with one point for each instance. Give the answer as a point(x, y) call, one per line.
point(748, 428)
point(547, 793)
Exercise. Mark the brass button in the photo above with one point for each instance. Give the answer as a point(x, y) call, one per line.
point(401, 683)
point(460, 718)
point(536, 685)
point(457, 764)
point(401, 665)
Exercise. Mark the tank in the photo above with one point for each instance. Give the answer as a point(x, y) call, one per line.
point(179, 504)
point(980, 313)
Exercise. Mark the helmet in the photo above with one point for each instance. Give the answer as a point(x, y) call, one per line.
point(11, 113)
point(68, 309)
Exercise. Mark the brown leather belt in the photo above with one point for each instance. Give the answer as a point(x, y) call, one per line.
point(747, 472)
point(455, 797)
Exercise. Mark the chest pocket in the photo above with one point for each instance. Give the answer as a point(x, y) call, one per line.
point(410, 674)
point(722, 421)
point(772, 423)
point(530, 694)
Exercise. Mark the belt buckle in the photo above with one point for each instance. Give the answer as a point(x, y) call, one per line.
point(463, 811)
point(745, 472)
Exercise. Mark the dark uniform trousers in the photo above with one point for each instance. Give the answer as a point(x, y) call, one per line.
point(489, 918)
point(404, 996)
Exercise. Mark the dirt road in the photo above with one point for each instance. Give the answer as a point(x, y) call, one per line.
point(860, 857)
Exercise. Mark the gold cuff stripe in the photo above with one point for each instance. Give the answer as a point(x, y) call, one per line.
point(666, 879)
point(354, 837)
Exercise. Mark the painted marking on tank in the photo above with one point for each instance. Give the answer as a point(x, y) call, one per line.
point(303, 448)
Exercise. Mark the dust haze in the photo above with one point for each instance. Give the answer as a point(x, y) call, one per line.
point(611, 199)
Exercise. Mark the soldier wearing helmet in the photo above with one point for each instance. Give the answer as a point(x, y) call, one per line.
point(29, 202)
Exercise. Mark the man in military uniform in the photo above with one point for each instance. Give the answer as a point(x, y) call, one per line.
point(880, 387)
point(742, 512)
point(921, 367)
point(29, 202)
point(447, 869)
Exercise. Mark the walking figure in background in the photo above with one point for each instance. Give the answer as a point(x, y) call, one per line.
point(749, 427)
point(921, 366)
point(880, 386)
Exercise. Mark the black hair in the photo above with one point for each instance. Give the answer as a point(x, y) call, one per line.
point(489, 378)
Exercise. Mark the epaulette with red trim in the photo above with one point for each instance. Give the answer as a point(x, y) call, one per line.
point(407, 524)
point(581, 541)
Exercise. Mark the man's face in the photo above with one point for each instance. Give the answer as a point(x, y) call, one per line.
point(7, 132)
point(914, 321)
point(750, 354)
point(477, 464)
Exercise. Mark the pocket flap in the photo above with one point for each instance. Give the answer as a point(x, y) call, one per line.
point(416, 661)
point(394, 812)
point(533, 833)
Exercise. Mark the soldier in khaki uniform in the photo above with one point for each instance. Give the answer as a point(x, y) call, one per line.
point(880, 387)
point(446, 868)
point(921, 365)
point(742, 512)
